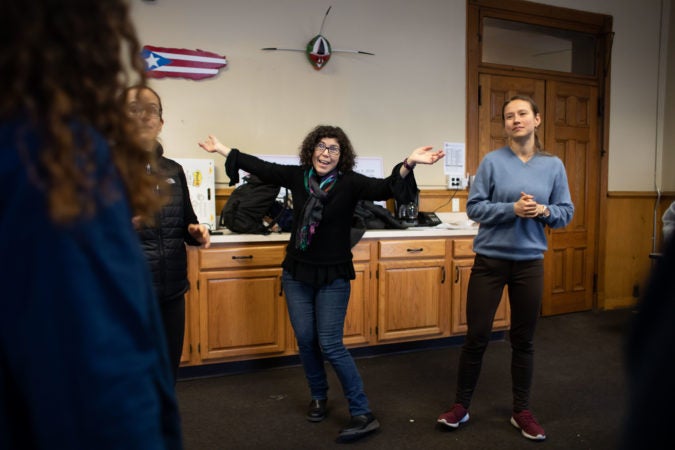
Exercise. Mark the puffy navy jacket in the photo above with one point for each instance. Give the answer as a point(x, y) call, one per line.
point(164, 242)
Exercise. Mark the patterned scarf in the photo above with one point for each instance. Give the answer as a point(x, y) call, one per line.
point(312, 210)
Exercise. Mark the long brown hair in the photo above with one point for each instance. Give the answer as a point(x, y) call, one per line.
point(535, 110)
point(65, 62)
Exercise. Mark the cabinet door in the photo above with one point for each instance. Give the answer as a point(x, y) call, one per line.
point(185, 356)
point(413, 299)
point(357, 330)
point(241, 312)
point(461, 270)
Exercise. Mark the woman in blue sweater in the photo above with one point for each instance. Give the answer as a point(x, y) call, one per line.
point(518, 190)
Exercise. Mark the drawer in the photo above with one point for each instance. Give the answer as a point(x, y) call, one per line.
point(241, 257)
point(462, 248)
point(361, 251)
point(413, 248)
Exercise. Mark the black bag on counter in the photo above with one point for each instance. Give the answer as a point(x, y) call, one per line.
point(280, 215)
point(369, 216)
point(248, 205)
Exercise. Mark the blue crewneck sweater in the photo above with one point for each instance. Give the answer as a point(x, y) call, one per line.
point(500, 179)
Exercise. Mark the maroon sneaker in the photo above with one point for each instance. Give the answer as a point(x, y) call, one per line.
point(528, 425)
point(456, 415)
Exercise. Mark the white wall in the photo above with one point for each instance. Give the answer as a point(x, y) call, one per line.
point(411, 93)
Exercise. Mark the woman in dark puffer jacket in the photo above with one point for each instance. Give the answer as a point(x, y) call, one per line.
point(164, 238)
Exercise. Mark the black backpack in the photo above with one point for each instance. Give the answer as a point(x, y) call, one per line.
point(368, 216)
point(250, 203)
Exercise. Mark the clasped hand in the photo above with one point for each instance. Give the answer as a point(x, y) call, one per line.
point(527, 207)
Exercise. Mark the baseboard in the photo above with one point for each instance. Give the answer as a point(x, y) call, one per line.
point(238, 367)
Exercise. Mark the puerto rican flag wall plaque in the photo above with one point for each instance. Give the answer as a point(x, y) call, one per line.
point(163, 62)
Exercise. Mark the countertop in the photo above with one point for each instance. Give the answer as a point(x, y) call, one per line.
point(453, 224)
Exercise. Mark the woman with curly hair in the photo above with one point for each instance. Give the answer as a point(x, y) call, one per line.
point(318, 265)
point(83, 363)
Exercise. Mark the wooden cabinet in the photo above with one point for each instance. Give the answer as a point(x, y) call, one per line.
point(413, 290)
point(404, 290)
point(361, 312)
point(187, 338)
point(462, 262)
point(240, 305)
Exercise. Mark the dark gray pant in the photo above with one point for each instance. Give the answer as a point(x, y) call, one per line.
point(173, 318)
point(525, 281)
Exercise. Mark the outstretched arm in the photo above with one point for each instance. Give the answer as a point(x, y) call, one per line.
point(213, 145)
point(421, 155)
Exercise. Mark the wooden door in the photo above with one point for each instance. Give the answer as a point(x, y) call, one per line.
point(570, 131)
point(572, 135)
point(495, 91)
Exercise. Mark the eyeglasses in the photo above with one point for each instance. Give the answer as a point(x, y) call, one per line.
point(137, 110)
point(333, 150)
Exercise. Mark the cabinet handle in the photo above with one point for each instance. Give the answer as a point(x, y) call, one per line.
point(456, 274)
point(414, 250)
point(442, 275)
point(242, 257)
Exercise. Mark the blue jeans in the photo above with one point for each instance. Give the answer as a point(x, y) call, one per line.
point(318, 318)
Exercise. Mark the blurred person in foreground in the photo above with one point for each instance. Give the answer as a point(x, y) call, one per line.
point(83, 363)
point(650, 359)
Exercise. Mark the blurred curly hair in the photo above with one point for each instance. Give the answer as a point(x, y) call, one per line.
point(66, 62)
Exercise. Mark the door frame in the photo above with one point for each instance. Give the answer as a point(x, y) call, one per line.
point(549, 16)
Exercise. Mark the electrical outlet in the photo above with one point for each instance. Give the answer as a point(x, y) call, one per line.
point(457, 182)
point(455, 205)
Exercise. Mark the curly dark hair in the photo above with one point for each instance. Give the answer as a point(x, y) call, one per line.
point(64, 62)
point(347, 155)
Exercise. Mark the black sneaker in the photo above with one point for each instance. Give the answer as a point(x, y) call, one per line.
point(358, 427)
point(316, 411)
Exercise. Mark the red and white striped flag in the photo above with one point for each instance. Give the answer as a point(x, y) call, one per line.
point(161, 62)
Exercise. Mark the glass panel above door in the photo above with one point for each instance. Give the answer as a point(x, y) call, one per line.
point(521, 44)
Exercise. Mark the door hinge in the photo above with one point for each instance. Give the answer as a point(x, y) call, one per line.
point(197, 284)
point(601, 107)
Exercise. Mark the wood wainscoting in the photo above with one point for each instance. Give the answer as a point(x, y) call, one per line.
point(632, 230)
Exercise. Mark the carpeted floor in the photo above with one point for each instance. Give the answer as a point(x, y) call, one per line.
point(578, 396)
